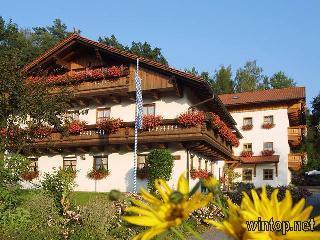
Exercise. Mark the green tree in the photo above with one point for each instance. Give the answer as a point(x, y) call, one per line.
point(222, 80)
point(250, 77)
point(280, 80)
point(141, 49)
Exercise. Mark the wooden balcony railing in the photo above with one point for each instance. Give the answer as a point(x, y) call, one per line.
point(168, 132)
point(295, 135)
point(295, 160)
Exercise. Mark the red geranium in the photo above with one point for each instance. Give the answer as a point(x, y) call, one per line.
point(246, 154)
point(110, 125)
point(191, 118)
point(247, 127)
point(267, 152)
point(267, 125)
point(30, 175)
point(98, 174)
point(198, 174)
point(142, 173)
point(41, 131)
point(75, 127)
point(151, 121)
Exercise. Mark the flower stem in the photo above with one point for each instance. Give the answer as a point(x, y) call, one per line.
point(194, 233)
point(179, 234)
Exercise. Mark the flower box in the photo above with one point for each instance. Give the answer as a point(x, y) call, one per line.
point(247, 127)
point(30, 175)
point(267, 152)
point(246, 154)
point(151, 121)
point(98, 174)
point(268, 125)
point(194, 173)
point(191, 118)
point(40, 132)
point(110, 125)
point(75, 127)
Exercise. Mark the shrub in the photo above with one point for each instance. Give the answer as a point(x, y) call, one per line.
point(59, 184)
point(160, 164)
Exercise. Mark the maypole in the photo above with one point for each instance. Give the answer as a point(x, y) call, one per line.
point(138, 123)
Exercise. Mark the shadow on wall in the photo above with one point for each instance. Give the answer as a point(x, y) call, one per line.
point(129, 181)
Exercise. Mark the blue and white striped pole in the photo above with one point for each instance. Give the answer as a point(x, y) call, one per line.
point(138, 123)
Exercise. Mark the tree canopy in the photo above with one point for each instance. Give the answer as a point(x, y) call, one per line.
point(142, 49)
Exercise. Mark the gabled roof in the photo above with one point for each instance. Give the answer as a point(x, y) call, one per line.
point(264, 96)
point(204, 88)
point(78, 38)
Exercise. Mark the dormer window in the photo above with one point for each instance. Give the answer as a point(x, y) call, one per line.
point(149, 109)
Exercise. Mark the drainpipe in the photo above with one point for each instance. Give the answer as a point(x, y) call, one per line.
point(202, 102)
point(188, 161)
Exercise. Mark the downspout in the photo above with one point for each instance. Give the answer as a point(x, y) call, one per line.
point(188, 161)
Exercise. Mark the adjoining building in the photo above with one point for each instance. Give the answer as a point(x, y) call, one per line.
point(273, 124)
point(102, 79)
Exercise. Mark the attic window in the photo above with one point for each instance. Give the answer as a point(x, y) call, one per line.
point(235, 97)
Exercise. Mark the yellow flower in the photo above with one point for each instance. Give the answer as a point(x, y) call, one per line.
point(210, 182)
point(171, 210)
point(264, 209)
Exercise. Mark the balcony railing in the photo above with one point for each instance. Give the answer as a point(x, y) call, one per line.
point(295, 160)
point(295, 135)
point(169, 131)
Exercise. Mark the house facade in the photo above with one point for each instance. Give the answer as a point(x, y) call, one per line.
point(272, 123)
point(102, 81)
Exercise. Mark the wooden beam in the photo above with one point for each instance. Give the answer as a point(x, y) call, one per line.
point(113, 148)
point(98, 101)
point(144, 147)
point(255, 170)
point(115, 99)
point(96, 149)
point(83, 102)
point(160, 145)
point(128, 147)
point(63, 63)
point(98, 55)
point(155, 94)
point(178, 88)
point(131, 97)
point(53, 151)
point(81, 150)
point(276, 166)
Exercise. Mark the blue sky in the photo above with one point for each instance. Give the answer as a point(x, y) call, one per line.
point(280, 35)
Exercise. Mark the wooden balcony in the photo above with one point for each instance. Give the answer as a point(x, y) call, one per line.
point(295, 161)
point(296, 114)
point(200, 139)
point(295, 135)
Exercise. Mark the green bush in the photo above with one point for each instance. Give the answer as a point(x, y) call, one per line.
point(160, 164)
point(59, 184)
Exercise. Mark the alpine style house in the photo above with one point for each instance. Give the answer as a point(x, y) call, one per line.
point(102, 80)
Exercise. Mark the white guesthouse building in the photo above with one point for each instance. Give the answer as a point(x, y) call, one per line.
point(272, 123)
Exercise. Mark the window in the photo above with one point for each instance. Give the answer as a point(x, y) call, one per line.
point(268, 146)
point(142, 161)
point(199, 163)
point(149, 109)
point(100, 162)
point(102, 114)
point(267, 174)
point(206, 165)
point(33, 165)
point(247, 121)
point(247, 147)
point(72, 115)
point(268, 119)
point(70, 162)
point(247, 174)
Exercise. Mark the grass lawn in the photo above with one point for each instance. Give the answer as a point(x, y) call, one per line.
point(82, 198)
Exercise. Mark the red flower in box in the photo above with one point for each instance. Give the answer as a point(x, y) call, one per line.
point(3, 132)
point(198, 174)
point(115, 71)
point(110, 125)
point(246, 154)
point(191, 119)
point(75, 127)
point(29, 176)
point(41, 131)
point(151, 121)
point(267, 125)
point(267, 152)
point(215, 120)
point(96, 74)
point(247, 127)
point(98, 174)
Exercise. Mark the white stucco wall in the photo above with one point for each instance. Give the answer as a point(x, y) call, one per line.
point(257, 136)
